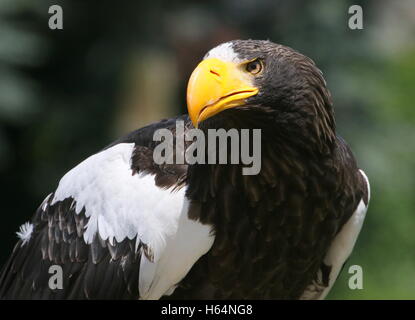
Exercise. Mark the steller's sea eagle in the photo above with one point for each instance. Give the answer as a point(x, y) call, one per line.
point(123, 226)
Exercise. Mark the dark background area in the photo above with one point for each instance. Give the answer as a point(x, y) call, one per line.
point(118, 65)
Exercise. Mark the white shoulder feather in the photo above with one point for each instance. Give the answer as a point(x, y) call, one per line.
point(340, 249)
point(120, 204)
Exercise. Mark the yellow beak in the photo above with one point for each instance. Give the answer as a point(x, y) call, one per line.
point(215, 86)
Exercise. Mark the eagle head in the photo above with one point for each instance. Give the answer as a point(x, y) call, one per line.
point(262, 76)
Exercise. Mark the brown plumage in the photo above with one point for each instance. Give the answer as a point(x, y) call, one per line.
point(273, 231)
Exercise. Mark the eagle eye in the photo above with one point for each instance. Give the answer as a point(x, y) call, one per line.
point(254, 67)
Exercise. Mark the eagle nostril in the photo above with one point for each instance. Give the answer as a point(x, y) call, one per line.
point(215, 73)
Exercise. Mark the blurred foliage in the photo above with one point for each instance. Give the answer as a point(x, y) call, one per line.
point(116, 66)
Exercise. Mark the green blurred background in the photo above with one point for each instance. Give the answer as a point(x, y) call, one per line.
point(118, 65)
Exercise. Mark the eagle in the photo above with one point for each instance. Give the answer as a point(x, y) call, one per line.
point(121, 225)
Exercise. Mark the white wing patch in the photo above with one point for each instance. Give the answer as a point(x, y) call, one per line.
point(367, 183)
point(340, 249)
point(119, 204)
point(122, 205)
point(183, 249)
